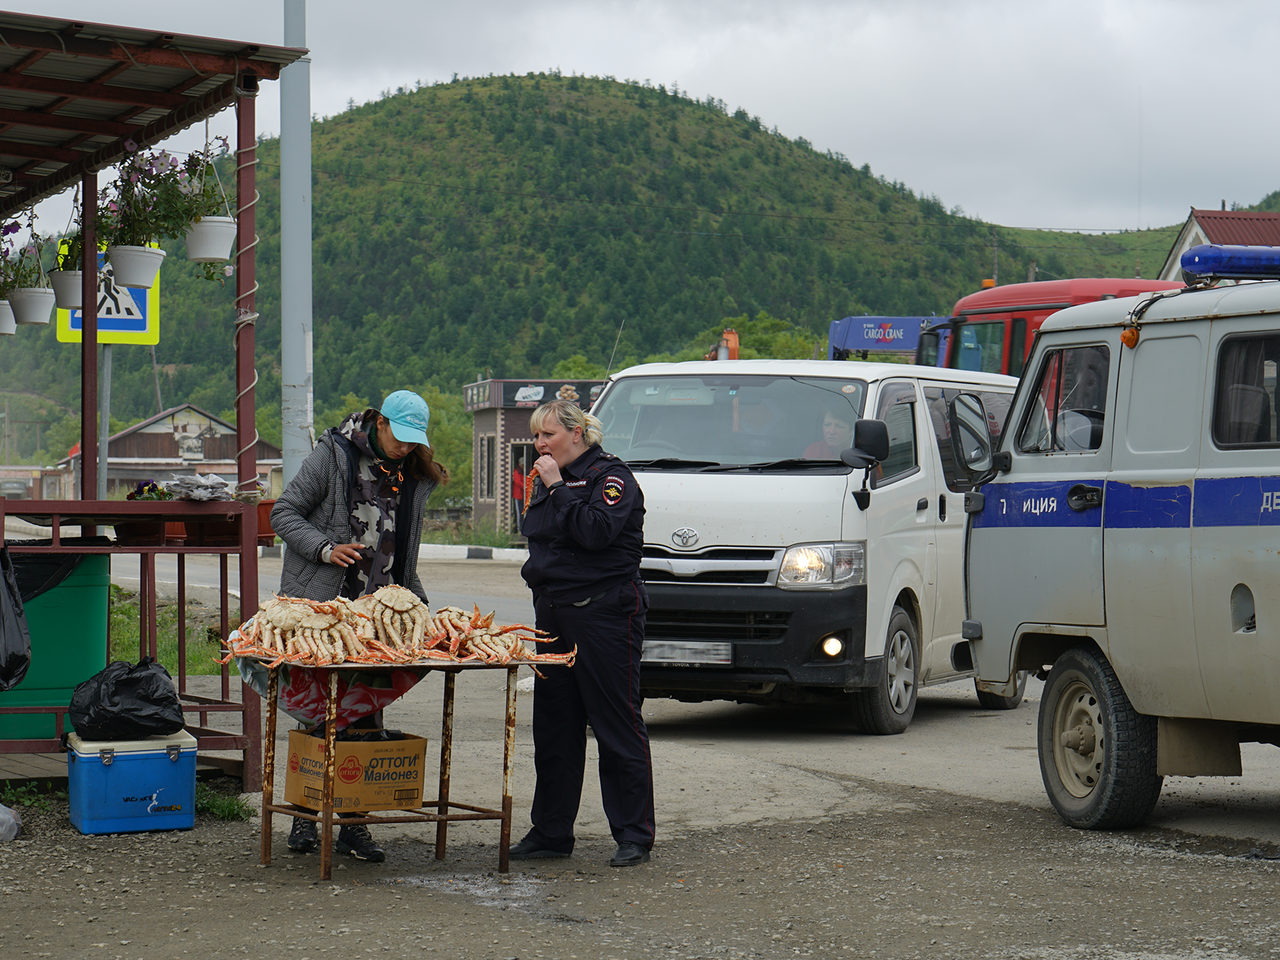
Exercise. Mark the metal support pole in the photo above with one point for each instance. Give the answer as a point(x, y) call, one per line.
point(296, 384)
point(104, 421)
point(246, 377)
point(89, 342)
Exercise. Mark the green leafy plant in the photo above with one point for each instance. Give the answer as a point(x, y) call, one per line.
point(9, 257)
point(29, 270)
point(223, 806)
point(156, 195)
point(70, 251)
point(27, 794)
point(202, 632)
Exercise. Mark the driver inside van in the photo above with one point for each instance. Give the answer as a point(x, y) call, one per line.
point(837, 436)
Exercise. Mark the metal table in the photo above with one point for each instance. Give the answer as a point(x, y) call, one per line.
point(438, 811)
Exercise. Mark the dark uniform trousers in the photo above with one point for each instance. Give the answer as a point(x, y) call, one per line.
point(602, 689)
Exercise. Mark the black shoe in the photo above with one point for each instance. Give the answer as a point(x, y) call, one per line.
point(530, 849)
point(356, 841)
point(629, 855)
point(302, 836)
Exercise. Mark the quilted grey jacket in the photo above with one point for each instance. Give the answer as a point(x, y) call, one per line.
point(314, 510)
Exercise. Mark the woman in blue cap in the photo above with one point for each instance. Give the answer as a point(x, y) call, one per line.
point(351, 522)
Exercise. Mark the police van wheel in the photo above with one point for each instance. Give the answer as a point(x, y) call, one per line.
point(993, 701)
point(1097, 754)
point(888, 707)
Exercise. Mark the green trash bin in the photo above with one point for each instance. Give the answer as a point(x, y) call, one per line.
point(65, 596)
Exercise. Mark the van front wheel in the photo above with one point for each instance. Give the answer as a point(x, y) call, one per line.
point(888, 707)
point(1097, 754)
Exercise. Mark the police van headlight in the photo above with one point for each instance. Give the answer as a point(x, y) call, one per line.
point(814, 566)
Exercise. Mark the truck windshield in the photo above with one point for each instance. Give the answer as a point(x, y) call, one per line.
point(676, 422)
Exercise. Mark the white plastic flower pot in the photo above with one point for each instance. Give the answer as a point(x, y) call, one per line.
point(67, 288)
point(135, 266)
point(8, 327)
point(31, 305)
point(209, 239)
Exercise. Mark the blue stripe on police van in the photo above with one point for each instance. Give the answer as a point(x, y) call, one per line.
point(1137, 508)
point(1238, 502)
point(1034, 504)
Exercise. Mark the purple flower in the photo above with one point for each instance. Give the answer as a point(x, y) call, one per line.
point(130, 145)
point(10, 228)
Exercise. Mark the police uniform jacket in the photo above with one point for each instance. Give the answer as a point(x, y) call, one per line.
point(587, 535)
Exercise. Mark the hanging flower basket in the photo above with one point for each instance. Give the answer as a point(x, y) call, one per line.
point(135, 266)
point(31, 305)
point(8, 327)
point(209, 239)
point(67, 288)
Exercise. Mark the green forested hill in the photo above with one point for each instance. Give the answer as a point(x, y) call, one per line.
point(505, 226)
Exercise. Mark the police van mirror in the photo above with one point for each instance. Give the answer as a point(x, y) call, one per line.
point(970, 435)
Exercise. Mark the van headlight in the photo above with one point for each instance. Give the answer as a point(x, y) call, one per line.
point(816, 565)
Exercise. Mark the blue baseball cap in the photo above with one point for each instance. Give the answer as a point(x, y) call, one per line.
point(409, 415)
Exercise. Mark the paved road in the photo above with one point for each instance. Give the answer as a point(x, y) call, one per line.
point(720, 763)
point(768, 763)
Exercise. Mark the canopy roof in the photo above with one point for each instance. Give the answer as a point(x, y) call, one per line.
point(72, 93)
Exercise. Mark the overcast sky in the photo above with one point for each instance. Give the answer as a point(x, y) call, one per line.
point(1058, 114)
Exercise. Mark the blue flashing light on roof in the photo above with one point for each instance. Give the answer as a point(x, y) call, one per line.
point(1211, 261)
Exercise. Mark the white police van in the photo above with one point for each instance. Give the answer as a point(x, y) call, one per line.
point(782, 565)
point(1124, 538)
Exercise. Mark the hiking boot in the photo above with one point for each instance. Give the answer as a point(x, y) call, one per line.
point(356, 841)
point(302, 836)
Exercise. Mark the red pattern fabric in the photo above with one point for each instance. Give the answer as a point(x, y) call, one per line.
point(302, 691)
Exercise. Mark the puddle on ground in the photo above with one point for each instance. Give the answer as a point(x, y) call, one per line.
point(486, 891)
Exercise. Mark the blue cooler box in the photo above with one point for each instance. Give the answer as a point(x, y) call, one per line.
point(124, 786)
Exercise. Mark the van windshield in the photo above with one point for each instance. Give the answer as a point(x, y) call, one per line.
point(676, 422)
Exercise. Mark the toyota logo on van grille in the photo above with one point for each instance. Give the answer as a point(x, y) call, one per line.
point(685, 537)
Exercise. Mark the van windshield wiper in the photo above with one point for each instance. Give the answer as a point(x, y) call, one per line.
point(791, 463)
point(669, 463)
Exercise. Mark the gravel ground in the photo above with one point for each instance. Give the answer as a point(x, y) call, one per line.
point(928, 874)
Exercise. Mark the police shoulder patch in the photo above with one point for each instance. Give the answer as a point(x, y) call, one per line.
point(613, 489)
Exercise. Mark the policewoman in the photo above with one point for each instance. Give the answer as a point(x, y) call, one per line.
point(584, 525)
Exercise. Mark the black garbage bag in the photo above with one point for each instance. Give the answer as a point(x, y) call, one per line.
point(127, 702)
point(15, 639)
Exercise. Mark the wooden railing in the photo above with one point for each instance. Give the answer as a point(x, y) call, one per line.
point(219, 528)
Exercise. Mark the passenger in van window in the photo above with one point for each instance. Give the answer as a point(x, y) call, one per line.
point(837, 436)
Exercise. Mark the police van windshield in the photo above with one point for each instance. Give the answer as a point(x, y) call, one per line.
point(705, 421)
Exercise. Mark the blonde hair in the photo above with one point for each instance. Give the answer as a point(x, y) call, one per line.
point(569, 415)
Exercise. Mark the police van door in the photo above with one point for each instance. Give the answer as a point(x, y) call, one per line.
point(1149, 589)
point(1060, 443)
point(1236, 515)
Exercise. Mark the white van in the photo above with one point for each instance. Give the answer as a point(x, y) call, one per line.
point(1125, 535)
point(780, 564)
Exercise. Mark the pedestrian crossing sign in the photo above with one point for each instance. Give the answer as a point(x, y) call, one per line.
point(125, 314)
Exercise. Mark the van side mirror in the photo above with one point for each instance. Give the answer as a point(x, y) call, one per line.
point(870, 446)
point(927, 348)
point(971, 445)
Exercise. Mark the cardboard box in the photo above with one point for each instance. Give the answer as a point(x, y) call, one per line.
point(377, 775)
point(126, 786)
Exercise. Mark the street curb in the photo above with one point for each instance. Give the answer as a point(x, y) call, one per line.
point(440, 551)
